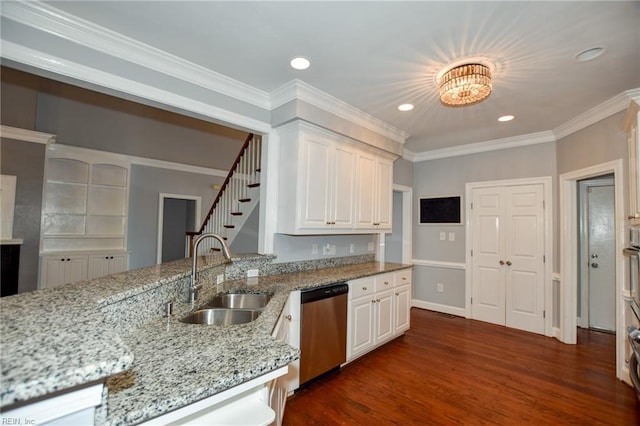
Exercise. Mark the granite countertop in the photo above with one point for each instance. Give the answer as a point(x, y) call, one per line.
point(212, 358)
point(55, 339)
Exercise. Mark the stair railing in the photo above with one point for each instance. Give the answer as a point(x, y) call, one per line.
point(243, 174)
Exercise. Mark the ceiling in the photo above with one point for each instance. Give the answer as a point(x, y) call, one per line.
point(377, 55)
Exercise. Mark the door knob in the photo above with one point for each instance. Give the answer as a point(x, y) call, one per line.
point(508, 263)
point(502, 262)
point(594, 264)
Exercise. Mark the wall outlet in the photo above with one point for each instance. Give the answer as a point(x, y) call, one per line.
point(352, 248)
point(370, 246)
point(440, 288)
point(252, 273)
point(452, 236)
point(220, 279)
point(326, 249)
point(314, 249)
point(332, 249)
point(443, 236)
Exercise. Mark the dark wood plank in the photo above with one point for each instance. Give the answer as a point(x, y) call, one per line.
point(449, 370)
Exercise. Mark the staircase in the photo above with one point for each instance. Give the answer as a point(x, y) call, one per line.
point(236, 199)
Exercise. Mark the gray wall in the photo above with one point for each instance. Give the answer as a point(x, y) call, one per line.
point(25, 160)
point(247, 239)
point(448, 176)
point(178, 219)
point(92, 120)
point(18, 100)
point(146, 185)
point(403, 172)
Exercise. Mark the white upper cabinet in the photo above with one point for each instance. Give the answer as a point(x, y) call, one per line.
point(331, 184)
point(631, 126)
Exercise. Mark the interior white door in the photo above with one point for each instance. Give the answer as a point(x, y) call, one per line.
point(508, 256)
point(524, 238)
point(488, 295)
point(601, 217)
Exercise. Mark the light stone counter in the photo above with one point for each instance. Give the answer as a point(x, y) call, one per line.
point(113, 326)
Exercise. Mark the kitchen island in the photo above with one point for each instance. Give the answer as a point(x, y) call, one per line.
point(113, 329)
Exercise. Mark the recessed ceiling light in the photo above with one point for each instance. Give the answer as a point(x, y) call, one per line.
point(589, 54)
point(300, 63)
point(405, 107)
point(506, 118)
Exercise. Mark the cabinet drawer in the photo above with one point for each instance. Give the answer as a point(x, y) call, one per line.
point(403, 277)
point(384, 282)
point(360, 287)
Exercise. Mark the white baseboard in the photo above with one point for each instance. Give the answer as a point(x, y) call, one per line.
point(445, 309)
point(555, 332)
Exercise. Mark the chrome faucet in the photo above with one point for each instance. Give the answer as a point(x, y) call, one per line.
point(193, 287)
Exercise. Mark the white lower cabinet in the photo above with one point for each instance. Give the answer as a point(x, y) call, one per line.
point(62, 268)
point(378, 311)
point(287, 329)
point(72, 407)
point(106, 264)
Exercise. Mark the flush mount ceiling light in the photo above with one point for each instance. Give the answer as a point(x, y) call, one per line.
point(589, 54)
point(405, 107)
point(506, 118)
point(300, 63)
point(465, 84)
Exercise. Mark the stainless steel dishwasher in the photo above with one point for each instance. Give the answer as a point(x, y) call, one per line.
point(323, 340)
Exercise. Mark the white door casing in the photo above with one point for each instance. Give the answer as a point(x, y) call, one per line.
point(511, 222)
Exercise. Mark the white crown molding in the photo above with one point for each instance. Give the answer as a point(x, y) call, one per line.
point(409, 155)
point(298, 89)
point(606, 109)
point(47, 62)
point(170, 165)
point(634, 95)
point(61, 24)
point(26, 135)
point(492, 145)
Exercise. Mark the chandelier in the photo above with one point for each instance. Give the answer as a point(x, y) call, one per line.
point(465, 85)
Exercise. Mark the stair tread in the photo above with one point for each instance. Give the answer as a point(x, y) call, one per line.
point(229, 226)
point(236, 213)
point(253, 185)
point(244, 200)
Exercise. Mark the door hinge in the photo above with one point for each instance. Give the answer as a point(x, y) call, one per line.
point(544, 259)
point(472, 300)
point(471, 252)
point(472, 206)
point(544, 314)
point(544, 204)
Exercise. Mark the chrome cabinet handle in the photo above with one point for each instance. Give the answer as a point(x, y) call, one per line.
point(289, 317)
point(508, 263)
point(594, 265)
point(378, 300)
point(373, 301)
point(364, 288)
point(386, 283)
point(502, 262)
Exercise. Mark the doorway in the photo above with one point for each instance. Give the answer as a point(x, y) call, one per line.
point(397, 246)
point(177, 214)
point(596, 259)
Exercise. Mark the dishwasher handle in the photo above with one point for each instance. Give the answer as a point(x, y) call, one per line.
point(319, 293)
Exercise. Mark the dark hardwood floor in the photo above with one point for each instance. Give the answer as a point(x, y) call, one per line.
point(449, 370)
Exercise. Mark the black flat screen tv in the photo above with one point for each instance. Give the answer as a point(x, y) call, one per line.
point(441, 210)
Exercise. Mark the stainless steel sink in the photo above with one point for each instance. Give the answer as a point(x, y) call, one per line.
point(240, 301)
point(221, 316)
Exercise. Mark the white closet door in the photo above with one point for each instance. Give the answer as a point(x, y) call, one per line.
point(508, 253)
point(488, 274)
point(524, 255)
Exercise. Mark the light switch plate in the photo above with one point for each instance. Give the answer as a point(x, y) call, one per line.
point(220, 279)
point(443, 236)
point(252, 273)
point(440, 288)
point(452, 236)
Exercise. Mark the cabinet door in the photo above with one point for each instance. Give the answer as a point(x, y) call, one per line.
point(52, 274)
point(343, 186)
point(360, 327)
point(384, 316)
point(98, 266)
point(118, 263)
point(365, 189)
point(384, 194)
point(402, 297)
point(75, 268)
point(316, 181)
